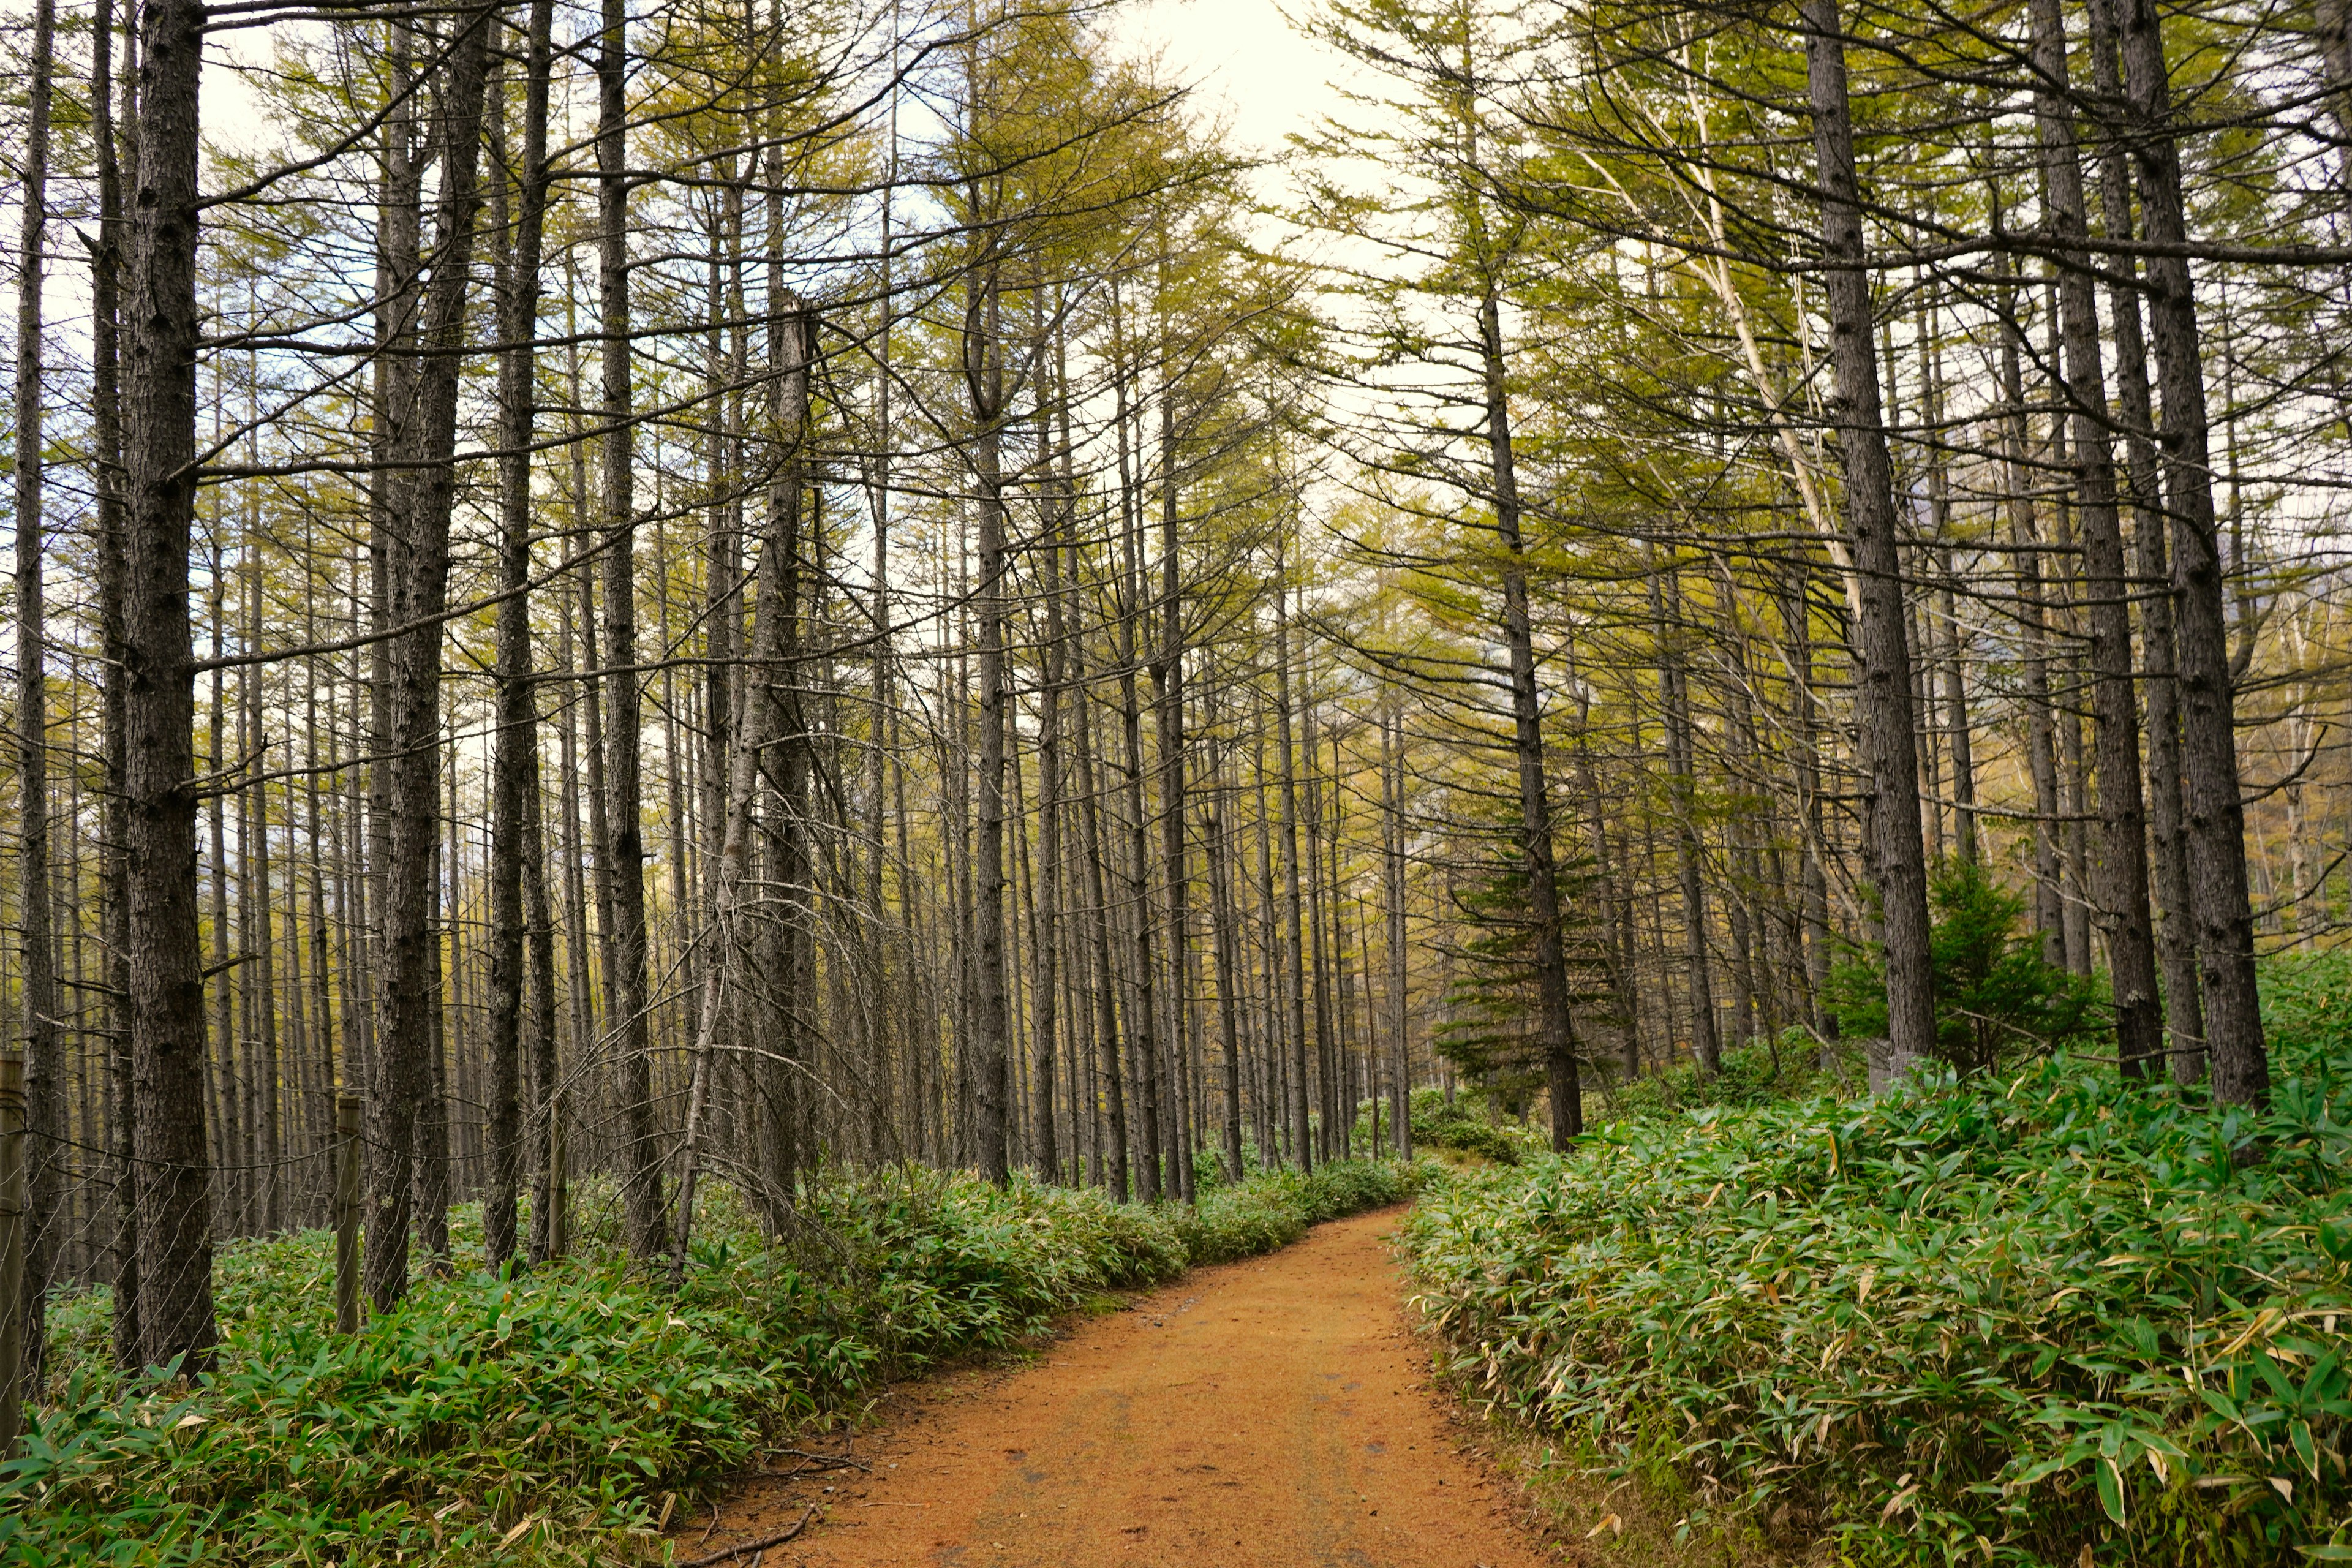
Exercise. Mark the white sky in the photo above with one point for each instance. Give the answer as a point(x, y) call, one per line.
point(1248, 63)
point(1241, 53)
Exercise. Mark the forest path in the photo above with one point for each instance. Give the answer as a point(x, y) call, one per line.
point(1275, 1413)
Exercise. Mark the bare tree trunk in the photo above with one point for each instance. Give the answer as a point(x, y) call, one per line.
point(1812, 871)
point(1882, 653)
point(2215, 815)
point(113, 898)
point(424, 495)
point(1113, 1079)
point(1054, 660)
point(983, 361)
point(515, 753)
point(1393, 896)
point(1318, 925)
point(159, 439)
point(1143, 1021)
point(756, 728)
point(622, 851)
point(2177, 946)
point(1682, 773)
point(1168, 692)
point(1302, 1132)
point(2122, 891)
point(1555, 1033)
point(37, 989)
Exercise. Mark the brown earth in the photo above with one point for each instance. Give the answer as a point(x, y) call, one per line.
point(1272, 1414)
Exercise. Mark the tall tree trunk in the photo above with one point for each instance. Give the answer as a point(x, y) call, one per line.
point(37, 983)
point(1168, 694)
point(1682, 774)
point(1881, 652)
point(2214, 812)
point(624, 846)
point(424, 492)
point(785, 754)
point(1143, 1021)
point(1056, 507)
point(755, 729)
point(2122, 888)
point(107, 480)
point(1294, 932)
point(159, 442)
point(983, 362)
point(1392, 897)
point(2176, 937)
point(1114, 1089)
point(1319, 924)
point(514, 765)
point(1555, 1037)
point(1813, 870)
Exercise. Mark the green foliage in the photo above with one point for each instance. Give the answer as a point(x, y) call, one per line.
point(1755, 1073)
point(1465, 1128)
point(1274, 1209)
point(1491, 1012)
point(562, 1405)
point(1995, 997)
point(1982, 1321)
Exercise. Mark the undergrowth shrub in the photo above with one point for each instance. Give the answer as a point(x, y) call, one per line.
point(1464, 1127)
point(556, 1415)
point(1996, 1321)
point(1795, 1066)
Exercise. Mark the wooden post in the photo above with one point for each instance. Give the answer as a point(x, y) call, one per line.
point(12, 1251)
point(347, 1214)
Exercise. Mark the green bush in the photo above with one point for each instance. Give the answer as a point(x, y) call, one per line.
point(1982, 1321)
point(1995, 999)
point(1463, 1127)
point(555, 1410)
point(1756, 1073)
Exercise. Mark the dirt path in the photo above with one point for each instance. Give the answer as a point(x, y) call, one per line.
point(1273, 1414)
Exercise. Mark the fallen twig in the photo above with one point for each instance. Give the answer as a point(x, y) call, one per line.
point(729, 1552)
point(827, 1461)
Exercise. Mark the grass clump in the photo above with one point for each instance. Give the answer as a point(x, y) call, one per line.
point(1997, 1320)
point(563, 1415)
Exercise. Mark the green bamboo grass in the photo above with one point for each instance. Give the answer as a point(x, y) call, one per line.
point(552, 1418)
point(1998, 1320)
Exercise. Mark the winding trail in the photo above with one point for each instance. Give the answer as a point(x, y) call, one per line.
point(1270, 1413)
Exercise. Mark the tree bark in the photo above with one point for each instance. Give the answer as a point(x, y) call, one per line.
point(423, 492)
point(2214, 812)
point(983, 369)
point(1555, 1037)
point(514, 765)
point(1302, 1131)
point(159, 430)
point(2122, 890)
point(107, 480)
point(1881, 649)
point(37, 981)
point(625, 845)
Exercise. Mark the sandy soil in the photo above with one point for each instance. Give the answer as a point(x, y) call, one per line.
point(1273, 1414)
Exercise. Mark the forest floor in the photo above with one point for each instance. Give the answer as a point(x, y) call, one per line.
point(1276, 1413)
